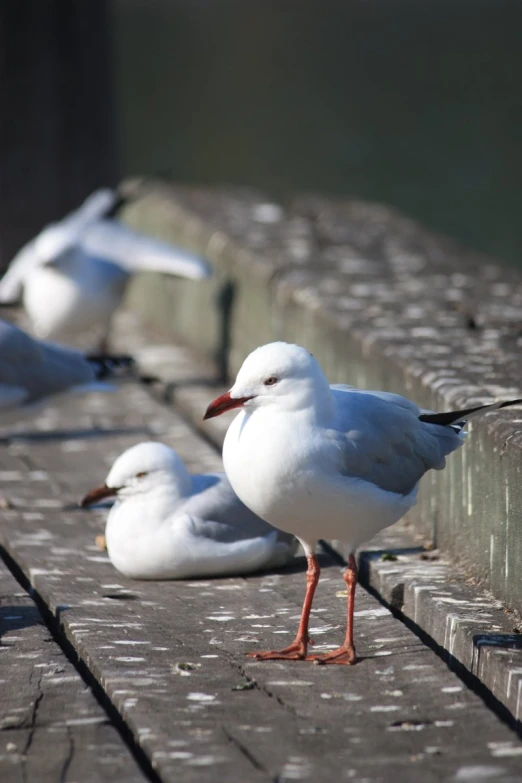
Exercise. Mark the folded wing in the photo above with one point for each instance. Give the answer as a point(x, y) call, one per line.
point(382, 440)
point(31, 370)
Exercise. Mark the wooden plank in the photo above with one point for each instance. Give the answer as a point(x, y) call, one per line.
point(400, 714)
point(52, 728)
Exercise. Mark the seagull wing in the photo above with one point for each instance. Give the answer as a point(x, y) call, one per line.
point(230, 532)
point(382, 440)
point(34, 369)
point(209, 548)
point(93, 209)
point(11, 396)
point(52, 241)
point(226, 517)
point(135, 252)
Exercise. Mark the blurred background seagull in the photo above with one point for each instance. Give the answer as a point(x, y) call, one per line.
point(167, 524)
point(73, 275)
point(31, 370)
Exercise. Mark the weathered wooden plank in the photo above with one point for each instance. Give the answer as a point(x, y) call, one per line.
point(52, 728)
point(400, 714)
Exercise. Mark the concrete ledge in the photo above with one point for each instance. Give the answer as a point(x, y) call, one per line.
point(380, 303)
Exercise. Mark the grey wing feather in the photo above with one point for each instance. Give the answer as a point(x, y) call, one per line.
point(382, 440)
point(52, 241)
point(221, 515)
point(11, 396)
point(93, 208)
point(41, 369)
point(341, 387)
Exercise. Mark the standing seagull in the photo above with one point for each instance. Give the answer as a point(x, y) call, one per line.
point(74, 273)
point(323, 461)
point(167, 524)
point(31, 370)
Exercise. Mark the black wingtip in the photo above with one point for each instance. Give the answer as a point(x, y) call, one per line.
point(458, 418)
point(106, 365)
point(510, 402)
point(119, 204)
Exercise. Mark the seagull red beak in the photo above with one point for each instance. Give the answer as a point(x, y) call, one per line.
point(223, 404)
point(97, 494)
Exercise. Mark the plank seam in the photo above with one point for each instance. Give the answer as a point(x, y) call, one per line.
point(56, 630)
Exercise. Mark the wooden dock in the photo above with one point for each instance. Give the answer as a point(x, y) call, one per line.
point(104, 678)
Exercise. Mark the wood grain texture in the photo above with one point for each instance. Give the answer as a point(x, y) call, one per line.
point(170, 655)
point(52, 728)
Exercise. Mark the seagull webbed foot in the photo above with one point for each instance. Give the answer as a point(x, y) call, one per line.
point(343, 655)
point(294, 652)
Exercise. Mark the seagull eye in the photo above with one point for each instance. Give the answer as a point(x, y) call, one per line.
point(141, 474)
point(270, 381)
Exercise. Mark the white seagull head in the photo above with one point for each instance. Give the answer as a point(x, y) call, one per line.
point(141, 469)
point(277, 374)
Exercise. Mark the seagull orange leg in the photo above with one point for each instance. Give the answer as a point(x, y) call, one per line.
point(346, 653)
point(297, 650)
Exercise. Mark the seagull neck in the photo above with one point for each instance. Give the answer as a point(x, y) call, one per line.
point(315, 406)
point(320, 405)
point(160, 500)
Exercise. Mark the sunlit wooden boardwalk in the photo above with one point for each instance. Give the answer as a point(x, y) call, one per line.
point(104, 678)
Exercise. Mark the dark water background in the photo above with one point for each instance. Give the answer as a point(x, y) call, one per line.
point(416, 103)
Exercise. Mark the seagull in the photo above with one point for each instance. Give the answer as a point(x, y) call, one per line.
point(74, 273)
point(31, 370)
point(167, 524)
point(323, 461)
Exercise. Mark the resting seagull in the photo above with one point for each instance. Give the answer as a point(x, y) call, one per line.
point(31, 369)
point(167, 524)
point(323, 461)
point(74, 273)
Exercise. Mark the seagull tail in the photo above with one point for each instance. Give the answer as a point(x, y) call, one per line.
point(457, 419)
point(107, 365)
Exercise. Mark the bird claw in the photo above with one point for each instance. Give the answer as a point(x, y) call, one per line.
point(344, 656)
